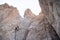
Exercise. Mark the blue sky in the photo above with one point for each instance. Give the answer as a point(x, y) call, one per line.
point(22, 5)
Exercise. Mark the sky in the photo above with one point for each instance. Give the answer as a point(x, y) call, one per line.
point(22, 5)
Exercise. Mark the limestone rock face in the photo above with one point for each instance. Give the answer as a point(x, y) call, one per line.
point(45, 26)
point(29, 15)
point(25, 24)
point(40, 29)
point(51, 10)
point(9, 19)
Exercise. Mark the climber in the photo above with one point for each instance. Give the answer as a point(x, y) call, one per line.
point(17, 28)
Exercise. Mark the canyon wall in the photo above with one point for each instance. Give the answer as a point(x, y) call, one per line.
point(45, 26)
point(51, 8)
point(9, 19)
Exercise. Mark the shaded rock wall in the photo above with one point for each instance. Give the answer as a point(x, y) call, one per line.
point(51, 10)
point(45, 25)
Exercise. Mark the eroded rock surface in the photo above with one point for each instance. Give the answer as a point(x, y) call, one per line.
point(45, 26)
point(51, 8)
point(25, 24)
point(9, 19)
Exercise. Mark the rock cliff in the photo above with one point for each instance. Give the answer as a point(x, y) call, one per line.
point(45, 26)
point(51, 8)
point(9, 19)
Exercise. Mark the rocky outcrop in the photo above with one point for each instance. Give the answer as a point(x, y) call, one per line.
point(9, 19)
point(45, 26)
point(51, 8)
point(28, 14)
point(25, 24)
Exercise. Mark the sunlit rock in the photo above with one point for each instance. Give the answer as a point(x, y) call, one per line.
point(29, 15)
point(9, 19)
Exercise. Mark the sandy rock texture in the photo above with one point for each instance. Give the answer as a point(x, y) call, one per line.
point(45, 26)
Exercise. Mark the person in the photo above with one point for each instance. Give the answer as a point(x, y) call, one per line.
point(17, 28)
